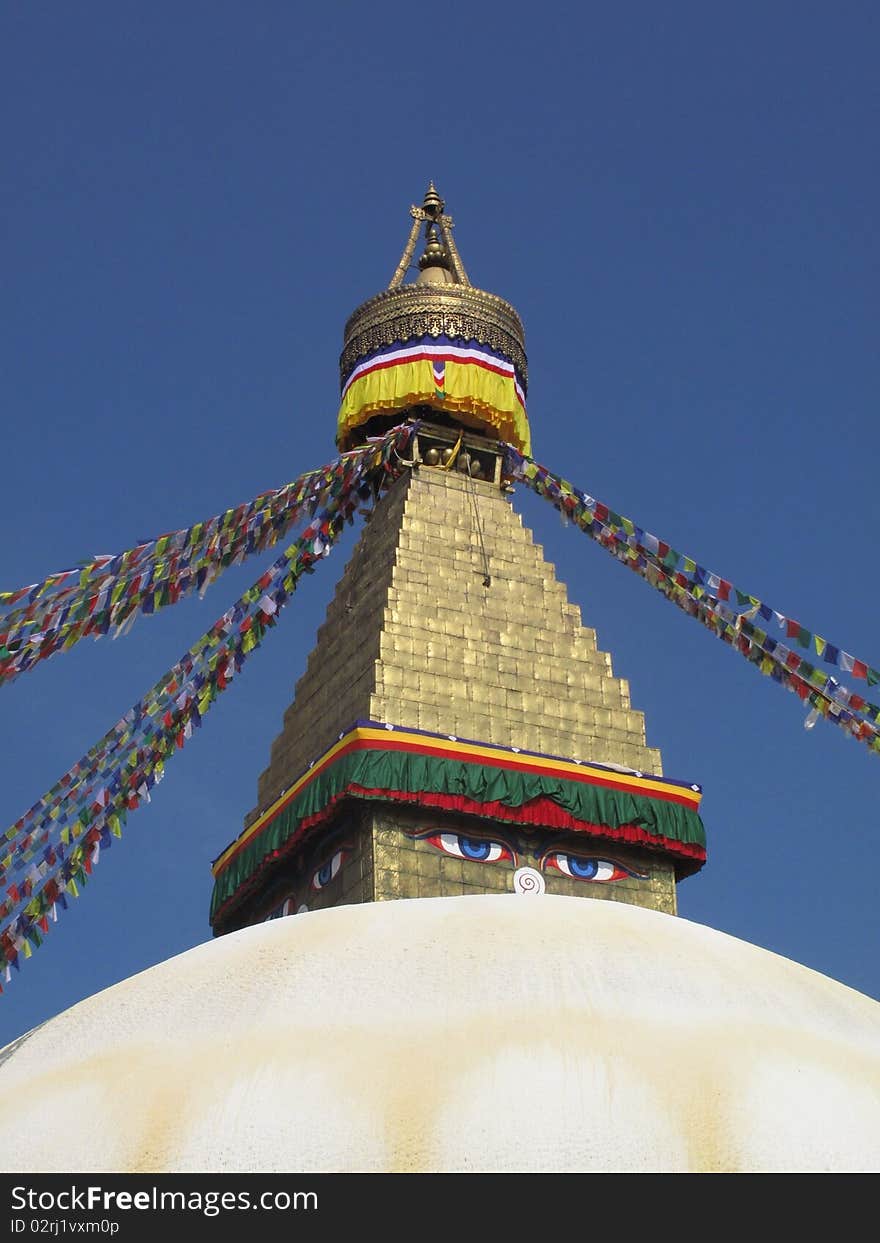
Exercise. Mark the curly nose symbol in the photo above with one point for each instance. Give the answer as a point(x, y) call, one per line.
point(527, 880)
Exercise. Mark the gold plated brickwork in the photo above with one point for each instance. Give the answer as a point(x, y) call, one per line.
point(448, 618)
point(413, 637)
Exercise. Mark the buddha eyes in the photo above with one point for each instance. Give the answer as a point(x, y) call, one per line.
point(491, 850)
point(323, 875)
point(279, 912)
point(588, 867)
point(481, 850)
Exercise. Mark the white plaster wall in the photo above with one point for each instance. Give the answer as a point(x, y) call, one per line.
point(475, 1033)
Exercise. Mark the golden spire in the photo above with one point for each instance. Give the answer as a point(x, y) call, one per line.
point(434, 265)
point(426, 301)
point(441, 263)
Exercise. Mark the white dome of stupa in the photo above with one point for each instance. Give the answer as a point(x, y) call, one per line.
point(483, 1033)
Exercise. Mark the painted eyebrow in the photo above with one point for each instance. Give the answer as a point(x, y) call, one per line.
point(509, 842)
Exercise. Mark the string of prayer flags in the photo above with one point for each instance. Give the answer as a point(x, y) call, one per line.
point(348, 471)
point(737, 617)
point(50, 852)
point(106, 594)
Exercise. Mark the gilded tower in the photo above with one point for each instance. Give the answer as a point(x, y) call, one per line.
point(456, 730)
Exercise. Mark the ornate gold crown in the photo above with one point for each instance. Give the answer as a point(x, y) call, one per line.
point(440, 302)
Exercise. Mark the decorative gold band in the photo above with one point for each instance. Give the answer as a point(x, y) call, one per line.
point(412, 311)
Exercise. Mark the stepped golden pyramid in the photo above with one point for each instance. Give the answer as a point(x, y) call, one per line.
point(450, 631)
point(405, 974)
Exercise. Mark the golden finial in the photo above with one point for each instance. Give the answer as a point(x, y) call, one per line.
point(435, 255)
point(433, 204)
point(440, 251)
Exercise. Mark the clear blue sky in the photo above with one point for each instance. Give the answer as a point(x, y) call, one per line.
point(681, 201)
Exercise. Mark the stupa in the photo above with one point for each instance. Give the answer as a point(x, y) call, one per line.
point(405, 975)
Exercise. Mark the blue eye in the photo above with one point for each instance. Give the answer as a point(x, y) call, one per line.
point(286, 908)
point(586, 869)
point(589, 867)
point(480, 849)
point(473, 848)
point(328, 871)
